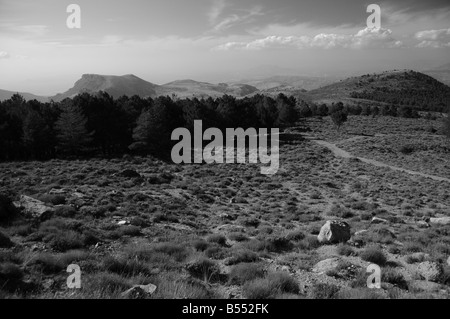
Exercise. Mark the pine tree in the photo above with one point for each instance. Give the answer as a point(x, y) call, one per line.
point(339, 117)
point(73, 135)
point(36, 134)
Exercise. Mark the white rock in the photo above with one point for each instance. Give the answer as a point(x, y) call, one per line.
point(440, 221)
point(377, 220)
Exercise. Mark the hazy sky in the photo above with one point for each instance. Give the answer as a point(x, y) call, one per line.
point(214, 40)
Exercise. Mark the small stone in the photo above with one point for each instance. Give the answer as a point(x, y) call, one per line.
point(139, 291)
point(423, 224)
point(377, 220)
point(360, 232)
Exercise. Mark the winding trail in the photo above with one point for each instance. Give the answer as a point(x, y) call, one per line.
point(339, 152)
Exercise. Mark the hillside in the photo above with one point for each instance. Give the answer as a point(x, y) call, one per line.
point(408, 88)
point(131, 85)
point(289, 82)
point(116, 86)
point(191, 88)
point(5, 95)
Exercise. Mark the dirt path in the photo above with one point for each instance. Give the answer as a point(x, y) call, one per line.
point(344, 154)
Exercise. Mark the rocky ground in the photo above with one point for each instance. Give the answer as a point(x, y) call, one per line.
point(226, 231)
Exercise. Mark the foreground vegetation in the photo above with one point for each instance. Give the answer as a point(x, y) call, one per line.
point(226, 231)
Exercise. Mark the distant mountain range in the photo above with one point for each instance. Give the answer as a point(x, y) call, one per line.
point(381, 87)
point(5, 95)
point(131, 85)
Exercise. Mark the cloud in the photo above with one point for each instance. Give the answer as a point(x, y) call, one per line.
point(4, 55)
point(216, 10)
point(366, 38)
point(235, 19)
point(433, 38)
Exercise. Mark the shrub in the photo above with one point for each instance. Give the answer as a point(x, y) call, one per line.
point(324, 291)
point(74, 256)
point(216, 252)
point(10, 271)
point(200, 245)
point(340, 212)
point(138, 221)
point(218, 239)
point(407, 149)
point(296, 235)
point(345, 250)
point(125, 266)
point(172, 286)
point(125, 231)
point(5, 242)
point(257, 289)
point(106, 284)
point(278, 244)
point(283, 282)
point(176, 251)
point(7, 209)
point(242, 256)
point(374, 255)
point(203, 268)
point(309, 243)
point(66, 240)
point(359, 293)
point(65, 211)
point(392, 276)
point(48, 263)
point(238, 236)
point(269, 287)
point(242, 273)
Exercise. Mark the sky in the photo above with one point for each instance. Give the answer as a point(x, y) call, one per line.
point(214, 40)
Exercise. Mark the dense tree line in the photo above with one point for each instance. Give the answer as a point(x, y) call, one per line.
point(100, 125)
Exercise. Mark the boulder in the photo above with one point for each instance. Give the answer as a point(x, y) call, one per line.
point(430, 270)
point(334, 232)
point(34, 208)
point(440, 221)
point(326, 265)
point(139, 291)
